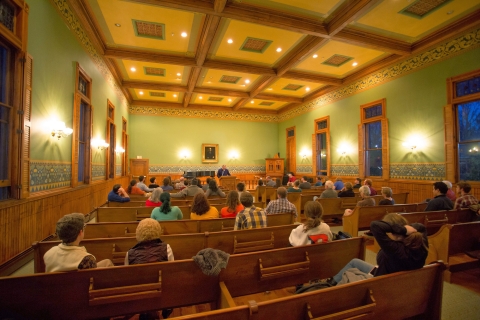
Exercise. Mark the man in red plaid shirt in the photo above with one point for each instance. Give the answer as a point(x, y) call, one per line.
point(466, 199)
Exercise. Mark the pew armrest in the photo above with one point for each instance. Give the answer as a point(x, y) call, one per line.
point(284, 270)
point(124, 294)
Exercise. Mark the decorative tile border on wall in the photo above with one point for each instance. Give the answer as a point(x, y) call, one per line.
point(98, 171)
point(179, 169)
point(47, 175)
point(118, 170)
point(304, 168)
point(350, 170)
point(418, 171)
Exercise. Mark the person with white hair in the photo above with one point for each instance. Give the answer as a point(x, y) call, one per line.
point(450, 193)
point(329, 191)
point(366, 201)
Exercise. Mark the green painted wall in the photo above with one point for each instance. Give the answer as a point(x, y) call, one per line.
point(55, 49)
point(414, 106)
point(161, 139)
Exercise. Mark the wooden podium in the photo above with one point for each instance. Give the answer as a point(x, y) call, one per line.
point(228, 182)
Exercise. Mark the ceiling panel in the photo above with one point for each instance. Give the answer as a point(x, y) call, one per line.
point(157, 95)
point(307, 8)
point(150, 71)
point(291, 87)
point(213, 100)
point(265, 104)
point(223, 79)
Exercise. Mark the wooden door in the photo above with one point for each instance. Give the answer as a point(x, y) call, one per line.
point(291, 158)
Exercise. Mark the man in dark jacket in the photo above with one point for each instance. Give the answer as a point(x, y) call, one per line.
point(440, 202)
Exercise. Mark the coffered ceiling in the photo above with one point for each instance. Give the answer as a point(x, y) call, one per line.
point(261, 56)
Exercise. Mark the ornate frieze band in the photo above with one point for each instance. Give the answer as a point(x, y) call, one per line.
point(47, 175)
point(304, 168)
point(418, 171)
point(180, 169)
point(350, 170)
point(98, 171)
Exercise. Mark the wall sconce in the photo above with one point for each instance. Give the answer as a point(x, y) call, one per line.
point(184, 154)
point(100, 144)
point(60, 130)
point(473, 150)
point(344, 149)
point(233, 155)
point(119, 150)
point(410, 145)
point(414, 142)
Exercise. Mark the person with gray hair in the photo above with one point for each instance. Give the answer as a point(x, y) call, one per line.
point(69, 255)
point(450, 193)
point(366, 201)
point(387, 197)
point(329, 191)
point(251, 217)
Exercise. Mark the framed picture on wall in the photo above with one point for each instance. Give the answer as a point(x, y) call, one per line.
point(209, 153)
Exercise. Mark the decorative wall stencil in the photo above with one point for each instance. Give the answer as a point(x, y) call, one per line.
point(344, 170)
point(418, 171)
point(179, 168)
point(98, 171)
point(47, 175)
point(304, 168)
point(118, 170)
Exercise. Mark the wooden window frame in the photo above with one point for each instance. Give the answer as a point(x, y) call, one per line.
point(124, 146)
point(362, 143)
point(291, 161)
point(450, 124)
point(314, 144)
point(110, 152)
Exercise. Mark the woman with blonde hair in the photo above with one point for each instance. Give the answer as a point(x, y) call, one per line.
point(201, 209)
point(233, 205)
point(154, 199)
point(166, 211)
point(313, 230)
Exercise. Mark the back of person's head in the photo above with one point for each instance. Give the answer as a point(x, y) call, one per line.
point(358, 180)
point(132, 184)
point(241, 187)
point(387, 192)
point(314, 212)
point(69, 226)
point(260, 182)
point(319, 178)
point(282, 192)
point(440, 186)
point(268, 178)
point(368, 182)
point(296, 183)
point(414, 240)
point(329, 184)
point(348, 186)
point(152, 179)
point(290, 173)
point(194, 182)
point(448, 183)
point(395, 218)
point(305, 178)
point(212, 185)
point(208, 180)
point(338, 179)
point(200, 204)
point(165, 199)
point(155, 196)
point(232, 200)
point(365, 190)
point(148, 229)
point(116, 187)
point(465, 186)
point(246, 199)
point(140, 178)
point(166, 181)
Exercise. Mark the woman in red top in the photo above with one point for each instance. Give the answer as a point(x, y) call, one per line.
point(233, 206)
point(154, 199)
point(291, 177)
point(133, 189)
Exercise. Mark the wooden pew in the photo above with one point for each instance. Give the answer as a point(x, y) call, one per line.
point(123, 214)
point(270, 194)
point(375, 298)
point(450, 244)
point(109, 292)
point(258, 193)
point(434, 220)
point(296, 199)
point(126, 204)
point(335, 207)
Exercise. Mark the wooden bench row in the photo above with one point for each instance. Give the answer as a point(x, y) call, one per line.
point(125, 229)
point(184, 246)
point(174, 202)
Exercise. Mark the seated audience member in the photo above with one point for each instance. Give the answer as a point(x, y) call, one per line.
point(250, 217)
point(201, 209)
point(191, 190)
point(69, 255)
point(465, 199)
point(260, 184)
point(450, 194)
point(368, 183)
point(240, 187)
point(166, 184)
point(281, 205)
point(269, 182)
point(180, 185)
point(338, 184)
point(199, 183)
point(319, 182)
point(142, 185)
point(358, 183)
point(329, 191)
point(205, 186)
point(295, 187)
point(133, 189)
point(387, 197)
point(154, 199)
point(291, 177)
point(304, 184)
point(214, 190)
point(153, 183)
point(170, 183)
point(313, 230)
point(233, 205)
point(285, 179)
point(366, 201)
point(347, 191)
point(440, 200)
point(407, 250)
point(118, 194)
point(166, 211)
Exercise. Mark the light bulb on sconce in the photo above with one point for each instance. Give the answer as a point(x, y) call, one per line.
point(60, 130)
point(414, 143)
point(233, 155)
point(473, 150)
point(100, 144)
point(410, 145)
point(119, 150)
point(184, 154)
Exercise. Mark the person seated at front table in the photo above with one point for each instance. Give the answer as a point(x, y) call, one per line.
point(118, 194)
point(166, 184)
point(133, 189)
point(406, 248)
point(233, 205)
point(69, 255)
point(387, 197)
point(201, 209)
point(154, 199)
point(153, 183)
point(166, 211)
point(347, 191)
point(295, 187)
point(313, 230)
point(214, 190)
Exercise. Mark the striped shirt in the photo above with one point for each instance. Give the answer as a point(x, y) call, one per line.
point(250, 218)
point(281, 205)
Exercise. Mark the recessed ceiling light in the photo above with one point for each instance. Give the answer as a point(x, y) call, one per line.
point(200, 97)
point(247, 81)
point(141, 92)
point(315, 56)
point(354, 64)
point(184, 34)
point(279, 49)
point(133, 69)
point(178, 79)
point(209, 81)
point(229, 100)
point(118, 25)
point(174, 95)
point(230, 41)
point(307, 88)
point(270, 89)
point(450, 12)
point(252, 101)
point(242, 85)
point(179, 74)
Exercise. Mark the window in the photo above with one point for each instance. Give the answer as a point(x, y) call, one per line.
point(462, 127)
point(321, 145)
point(6, 79)
point(111, 133)
point(373, 141)
point(124, 146)
point(82, 131)
point(291, 158)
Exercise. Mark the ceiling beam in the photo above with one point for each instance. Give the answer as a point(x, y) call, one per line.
point(297, 75)
point(210, 28)
point(320, 92)
point(238, 67)
point(153, 86)
point(186, 99)
point(240, 104)
point(261, 85)
point(219, 5)
point(372, 41)
point(345, 14)
point(374, 67)
point(222, 92)
point(276, 97)
point(145, 56)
